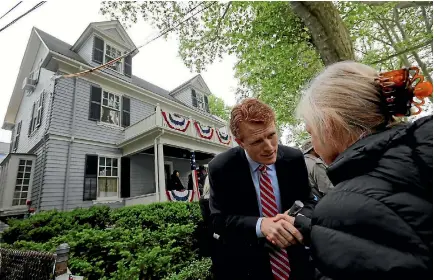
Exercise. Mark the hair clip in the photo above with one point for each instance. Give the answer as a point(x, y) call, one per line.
point(399, 87)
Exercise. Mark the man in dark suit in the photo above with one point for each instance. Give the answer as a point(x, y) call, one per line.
point(250, 185)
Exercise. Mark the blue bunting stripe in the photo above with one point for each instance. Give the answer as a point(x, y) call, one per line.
point(186, 195)
point(175, 121)
point(223, 137)
point(205, 132)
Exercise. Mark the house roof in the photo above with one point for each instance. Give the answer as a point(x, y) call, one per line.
point(183, 84)
point(64, 48)
point(105, 27)
point(59, 46)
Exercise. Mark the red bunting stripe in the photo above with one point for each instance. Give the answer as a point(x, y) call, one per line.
point(223, 141)
point(206, 135)
point(173, 125)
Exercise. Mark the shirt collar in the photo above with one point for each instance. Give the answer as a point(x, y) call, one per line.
point(254, 165)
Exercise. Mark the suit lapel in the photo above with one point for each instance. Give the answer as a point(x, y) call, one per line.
point(249, 197)
point(283, 177)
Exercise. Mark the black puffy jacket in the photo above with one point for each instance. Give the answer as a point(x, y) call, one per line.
point(377, 223)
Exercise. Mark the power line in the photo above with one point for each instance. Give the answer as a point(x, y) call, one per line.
point(11, 9)
point(146, 43)
point(18, 18)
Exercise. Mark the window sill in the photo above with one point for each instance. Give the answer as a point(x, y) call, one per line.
point(112, 126)
point(107, 201)
point(34, 132)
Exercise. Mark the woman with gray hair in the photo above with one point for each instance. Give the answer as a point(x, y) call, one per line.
point(377, 221)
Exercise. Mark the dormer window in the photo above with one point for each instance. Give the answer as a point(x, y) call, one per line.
point(104, 52)
point(199, 100)
point(113, 53)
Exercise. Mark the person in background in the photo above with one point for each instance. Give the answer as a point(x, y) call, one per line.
point(316, 169)
point(175, 182)
point(249, 186)
point(190, 182)
point(377, 223)
point(202, 175)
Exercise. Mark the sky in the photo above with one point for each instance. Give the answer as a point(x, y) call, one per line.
point(158, 62)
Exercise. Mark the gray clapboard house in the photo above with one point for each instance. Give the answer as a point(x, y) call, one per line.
point(107, 137)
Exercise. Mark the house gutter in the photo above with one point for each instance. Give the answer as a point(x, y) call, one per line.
point(71, 140)
point(156, 142)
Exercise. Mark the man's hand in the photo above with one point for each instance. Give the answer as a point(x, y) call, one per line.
point(280, 232)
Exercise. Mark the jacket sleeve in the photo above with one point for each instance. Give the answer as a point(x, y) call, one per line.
point(226, 225)
point(320, 176)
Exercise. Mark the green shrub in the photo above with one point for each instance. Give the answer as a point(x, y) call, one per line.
point(45, 225)
point(137, 242)
point(197, 270)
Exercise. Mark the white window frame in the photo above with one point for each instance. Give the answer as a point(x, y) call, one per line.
point(200, 99)
point(27, 163)
point(119, 110)
point(37, 113)
point(17, 136)
point(106, 176)
point(40, 103)
point(121, 61)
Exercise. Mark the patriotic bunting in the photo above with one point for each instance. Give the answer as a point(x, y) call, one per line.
point(205, 132)
point(175, 121)
point(186, 195)
point(223, 137)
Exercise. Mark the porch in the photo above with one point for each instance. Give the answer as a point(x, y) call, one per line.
point(145, 175)
point(186, 132)
point(164, 142)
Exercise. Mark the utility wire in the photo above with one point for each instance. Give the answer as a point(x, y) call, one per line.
point(11, 9)
point(146, 43)
point(18, 18)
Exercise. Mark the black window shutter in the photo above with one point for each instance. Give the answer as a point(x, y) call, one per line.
point(31, 120)
point(98, 50)
point(126, 105)
point(90, 177)
point(193, 97)
point(206, 103)
point(95, 103)
point(127, 65)
point(17, 136)
point(40, 112)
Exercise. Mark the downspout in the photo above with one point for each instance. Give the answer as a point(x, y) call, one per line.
point(44, 138)
point(157, 187)
point(71, 140)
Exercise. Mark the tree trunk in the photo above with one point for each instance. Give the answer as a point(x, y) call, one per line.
point(329, 34)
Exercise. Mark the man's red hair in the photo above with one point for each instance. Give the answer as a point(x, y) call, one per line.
point(250, 110)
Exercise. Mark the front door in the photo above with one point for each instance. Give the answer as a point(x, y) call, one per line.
point(125, 177)
point(167, 173)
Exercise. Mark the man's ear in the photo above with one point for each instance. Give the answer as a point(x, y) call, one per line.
point(239, 142)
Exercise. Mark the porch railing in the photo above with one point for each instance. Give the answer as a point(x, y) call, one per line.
point(156, 120)
point(141, 127)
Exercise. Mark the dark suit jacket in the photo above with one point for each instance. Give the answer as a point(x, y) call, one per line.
point(234, 214)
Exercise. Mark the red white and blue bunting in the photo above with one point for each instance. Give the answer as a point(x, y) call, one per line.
point(186, 195)
point(223, 137)
point(175, 121)
point(205, 132)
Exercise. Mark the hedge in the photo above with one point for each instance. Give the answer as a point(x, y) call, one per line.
point(156, 241)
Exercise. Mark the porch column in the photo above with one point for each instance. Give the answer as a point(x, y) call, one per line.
point(194, 175)
point(161, 177)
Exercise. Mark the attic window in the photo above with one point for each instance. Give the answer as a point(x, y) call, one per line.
point(112, 53)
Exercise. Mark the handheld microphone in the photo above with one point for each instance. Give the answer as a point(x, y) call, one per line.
point(295, 208)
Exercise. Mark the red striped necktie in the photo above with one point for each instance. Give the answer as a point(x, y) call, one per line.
point(278, 257)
